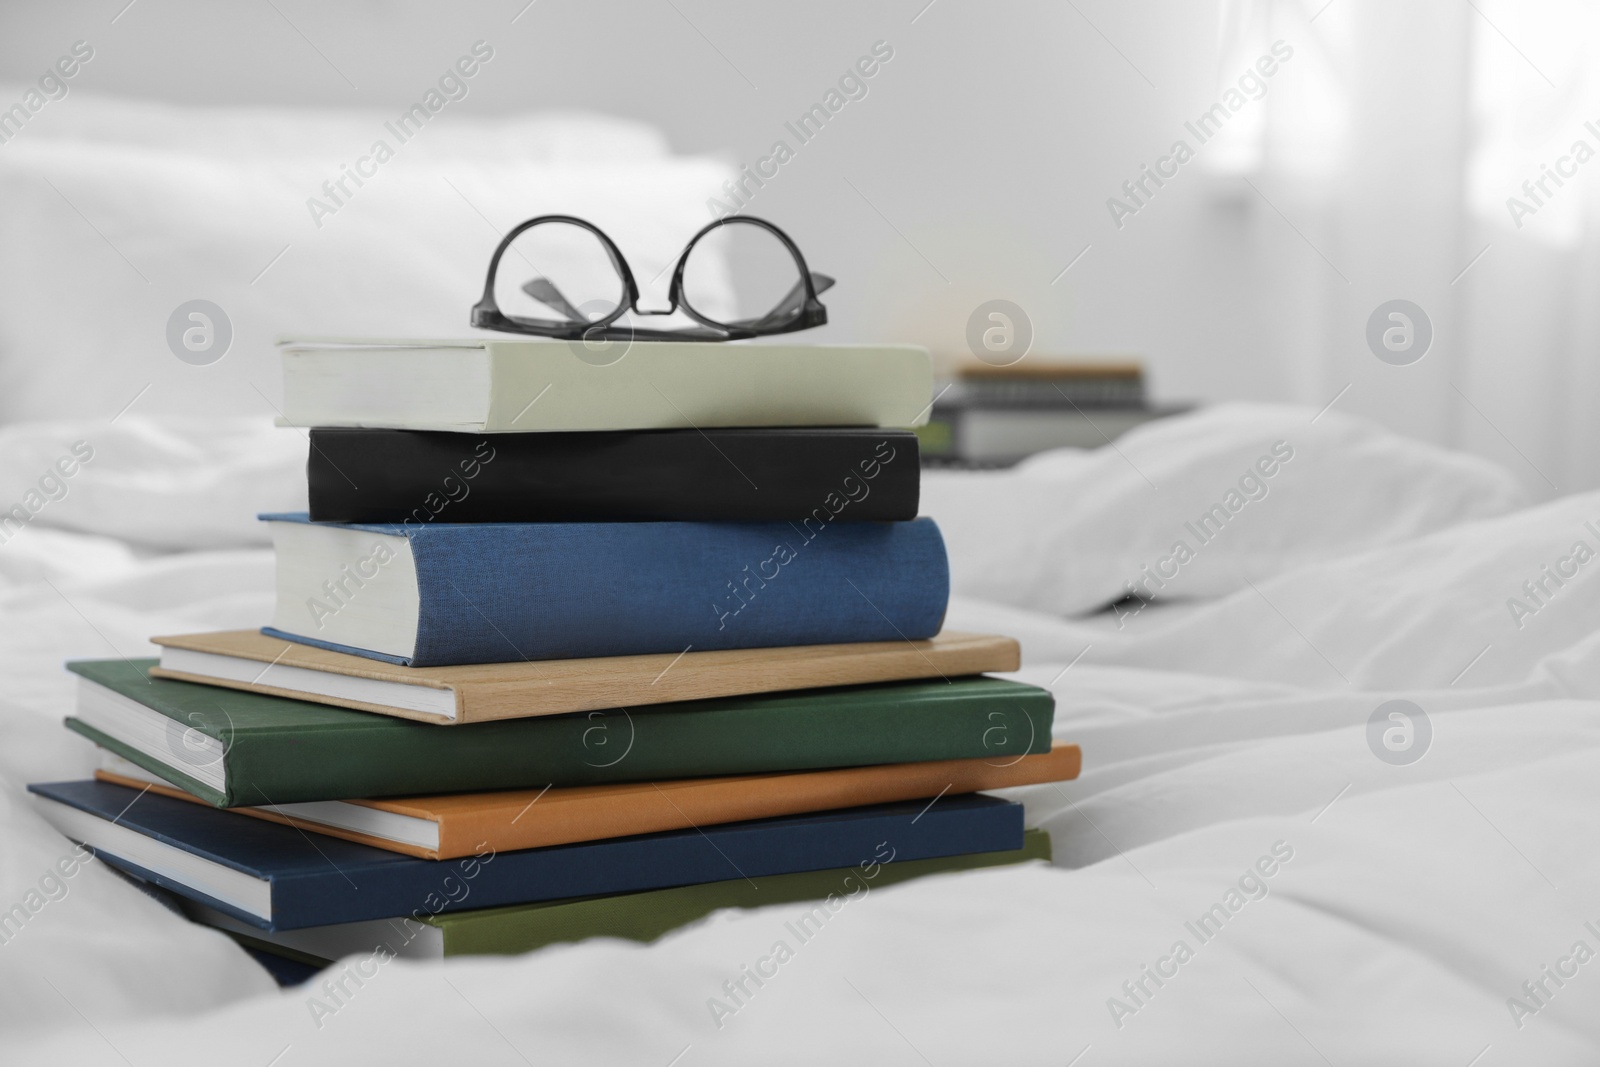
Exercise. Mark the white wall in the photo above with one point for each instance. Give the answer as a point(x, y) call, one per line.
point(990, 141)
point(978, 165)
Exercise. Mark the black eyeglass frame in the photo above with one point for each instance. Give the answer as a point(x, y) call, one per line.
point(486, 313)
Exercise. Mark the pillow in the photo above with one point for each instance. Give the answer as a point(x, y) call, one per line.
point(174, 484)
point(101, 242)
point(1198, 505)
point(331, 134)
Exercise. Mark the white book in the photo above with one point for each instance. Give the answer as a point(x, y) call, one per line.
point(498, 386)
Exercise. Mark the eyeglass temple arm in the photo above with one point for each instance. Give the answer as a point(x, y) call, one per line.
point(821, 283)
point(545, 291)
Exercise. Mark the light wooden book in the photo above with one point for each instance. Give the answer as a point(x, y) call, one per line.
point(465, 824)
point(480, 692)
point(496, 386)
point(1054, 368)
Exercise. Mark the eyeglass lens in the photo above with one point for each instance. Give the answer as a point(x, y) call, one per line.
point(742, 275)
point(557, 273)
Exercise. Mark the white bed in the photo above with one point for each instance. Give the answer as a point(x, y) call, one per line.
point(1418, 898)
point(1406, 905)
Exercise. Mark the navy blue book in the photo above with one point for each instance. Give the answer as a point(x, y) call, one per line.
point(277, 877)
point(440, 593)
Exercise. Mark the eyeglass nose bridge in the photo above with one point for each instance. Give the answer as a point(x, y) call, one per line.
point(663, 311)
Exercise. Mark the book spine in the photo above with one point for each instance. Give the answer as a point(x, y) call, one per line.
point(1069, 393)
point(695, 386)
point(648, 916)
point(649, 811)
point(391, 476)
point(407, 887)
point(980, 718)
point(502, 593)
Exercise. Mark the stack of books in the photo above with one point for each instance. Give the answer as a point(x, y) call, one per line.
point(989, 416)
point(565, 649)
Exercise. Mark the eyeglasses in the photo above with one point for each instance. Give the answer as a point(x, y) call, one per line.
point(738, 277)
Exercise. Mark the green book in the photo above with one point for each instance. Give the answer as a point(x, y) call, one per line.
point(233, 747)
point(642, 916)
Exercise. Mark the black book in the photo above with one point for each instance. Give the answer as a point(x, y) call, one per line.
point(715, 475)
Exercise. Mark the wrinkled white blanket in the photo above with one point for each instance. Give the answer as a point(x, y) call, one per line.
point(1247, 872)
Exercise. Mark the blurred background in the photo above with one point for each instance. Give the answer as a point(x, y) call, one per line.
point(995, 152)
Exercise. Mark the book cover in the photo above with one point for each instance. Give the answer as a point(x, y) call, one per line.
point(1048, 383)
point(1002, 435)
point(459, 824)
point(275, 877)
point(510, 385)
point(711, 475)
point(236, 748)
point(481, 692)
point(643, 916)
point(430, 595)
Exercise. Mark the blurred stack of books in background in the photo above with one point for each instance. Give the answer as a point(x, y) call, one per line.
point(996, 416)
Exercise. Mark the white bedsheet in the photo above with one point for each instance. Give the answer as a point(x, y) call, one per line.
point(1417, 900)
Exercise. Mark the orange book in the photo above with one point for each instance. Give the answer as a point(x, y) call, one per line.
point(465, 824)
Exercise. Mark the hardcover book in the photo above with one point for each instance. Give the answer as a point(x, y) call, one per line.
point(275, 877)
point(492, 386)
point(710, 475)
point(459, 824)
point(480, 692)
point(235, 748)
point(428, 595)
point(643, 916)
point(1002, 435)
point(1050, 383)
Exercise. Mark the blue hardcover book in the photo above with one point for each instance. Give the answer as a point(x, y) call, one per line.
point(277, 877)
point(433, 594)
